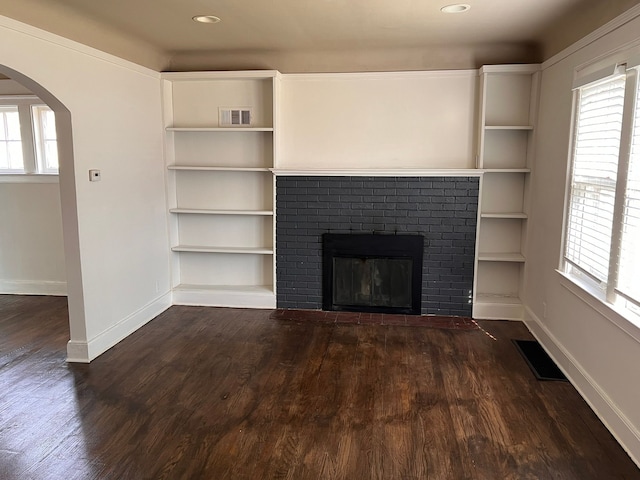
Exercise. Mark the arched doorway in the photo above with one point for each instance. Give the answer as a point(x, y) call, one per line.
point(77, 326)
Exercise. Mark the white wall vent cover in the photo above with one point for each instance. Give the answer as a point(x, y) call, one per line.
point(234, 117)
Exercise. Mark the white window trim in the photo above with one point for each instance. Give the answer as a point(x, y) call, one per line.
point(29, 178)
point(623, 170)
point(14, 108)
point(39, 140)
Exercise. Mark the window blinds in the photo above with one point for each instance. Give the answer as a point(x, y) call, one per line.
point(593, 185)
point(629, 265)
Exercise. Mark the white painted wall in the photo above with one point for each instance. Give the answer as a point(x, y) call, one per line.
point(116, 240)
point(600, 357)
point(31, 248)
point(378, 120)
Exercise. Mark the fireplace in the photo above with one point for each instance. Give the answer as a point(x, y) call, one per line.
point(443, 210)
point(372, 273)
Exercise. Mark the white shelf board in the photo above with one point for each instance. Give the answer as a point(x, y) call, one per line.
point(201, 211)
point(220, 129)
point(218, 169)
point(508, 127)
point(514, 215)
point(496, 307)
point(506, 170)
point(501, 257)
point(210, 249)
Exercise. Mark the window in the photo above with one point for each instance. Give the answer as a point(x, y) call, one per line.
point(44, 130)
point(602, 230)
point(628, 281)
point(27, 136)
point(10, 142)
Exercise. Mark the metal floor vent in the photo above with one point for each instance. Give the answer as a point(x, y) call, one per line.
point(540, 363)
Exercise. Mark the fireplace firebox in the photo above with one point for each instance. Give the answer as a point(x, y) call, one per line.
point(372, 273)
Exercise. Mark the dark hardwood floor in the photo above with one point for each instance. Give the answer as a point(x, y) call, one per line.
point(207, 393)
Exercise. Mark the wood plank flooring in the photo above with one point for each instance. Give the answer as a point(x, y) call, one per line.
point(207, 393)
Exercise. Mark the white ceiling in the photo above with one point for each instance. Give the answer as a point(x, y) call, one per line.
point(161, 34)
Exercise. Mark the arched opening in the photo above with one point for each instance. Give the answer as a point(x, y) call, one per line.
point(68, 202)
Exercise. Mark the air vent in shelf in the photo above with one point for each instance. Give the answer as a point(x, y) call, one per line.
point(235, 117)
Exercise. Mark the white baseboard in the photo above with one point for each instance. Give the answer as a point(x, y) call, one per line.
point(627, 434)
point(84, 352)
point(33, 287)
point(224, 298)
point(77, 352)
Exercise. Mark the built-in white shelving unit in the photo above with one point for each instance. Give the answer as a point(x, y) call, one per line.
point(508, 104)
point(220, 187)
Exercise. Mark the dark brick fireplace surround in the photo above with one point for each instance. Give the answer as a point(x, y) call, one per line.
point(442, 209)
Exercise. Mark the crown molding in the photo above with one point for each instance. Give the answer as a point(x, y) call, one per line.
point(380, 75)
point(26, 29)
point(607, 28)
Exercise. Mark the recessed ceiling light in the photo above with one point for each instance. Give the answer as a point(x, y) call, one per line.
point(206, 19)
point(456, 8)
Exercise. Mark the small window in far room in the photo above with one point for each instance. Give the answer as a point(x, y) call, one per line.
point(28, 143)
point(11, 158)
point(44, 131)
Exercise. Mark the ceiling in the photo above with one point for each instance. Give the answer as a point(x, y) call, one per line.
point(320, 35)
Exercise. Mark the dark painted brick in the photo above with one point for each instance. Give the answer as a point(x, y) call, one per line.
point(457, 222)
point(362, 206)
point(307, 181)
point(430, 207)
point(454, 206)
point(454, 236)
point(393, 214)
point(435, 228)
point(352, 182)
point(308, 206)
point(439, 298)
point(373, 198)
point(362, 191)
